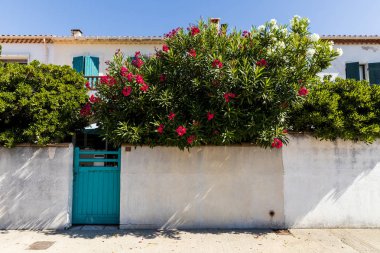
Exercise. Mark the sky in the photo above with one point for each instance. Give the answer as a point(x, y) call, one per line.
point(156, 17)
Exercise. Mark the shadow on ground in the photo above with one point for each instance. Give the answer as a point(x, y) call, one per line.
point(149, 234)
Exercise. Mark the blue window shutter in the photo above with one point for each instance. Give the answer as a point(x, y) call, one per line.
point(352, 71)
point(91, 66)
point(78, 64)
point(374, 73)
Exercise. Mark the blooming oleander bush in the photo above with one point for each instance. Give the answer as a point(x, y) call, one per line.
point(39, 103)
point(212, 87)
point(346, 109)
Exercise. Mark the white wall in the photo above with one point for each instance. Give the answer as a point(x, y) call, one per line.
point(36, 187)
point(63, 53)
point(331, 184)
point(208, 187)
point(38, 52)
point(309, 184)
point(363, 54)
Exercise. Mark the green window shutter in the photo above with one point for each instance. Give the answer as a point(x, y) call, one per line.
point(352, 70)
point(78, 64)
point(374, 73)
point(91, 66)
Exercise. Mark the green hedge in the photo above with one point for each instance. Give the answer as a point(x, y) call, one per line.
point(39, 103)
point(345, 109)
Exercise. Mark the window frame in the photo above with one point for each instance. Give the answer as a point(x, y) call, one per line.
point(363, 71)
point(15, 58)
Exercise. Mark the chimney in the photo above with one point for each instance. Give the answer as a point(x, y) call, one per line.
point(76, 33)
point(216, 21)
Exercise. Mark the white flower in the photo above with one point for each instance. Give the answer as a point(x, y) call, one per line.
point(274, 27)
point(314, 37)
point(261, 28)
point(339, 51)
point(274, 39)
point(284, 30)
point(310, 52)
point(273, 21)
point(296, 17)
point(331, 45)
point(281, 45)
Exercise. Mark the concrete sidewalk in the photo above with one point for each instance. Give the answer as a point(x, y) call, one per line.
point(110, 239)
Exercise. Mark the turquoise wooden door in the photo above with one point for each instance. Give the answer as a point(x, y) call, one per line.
point(96, 189)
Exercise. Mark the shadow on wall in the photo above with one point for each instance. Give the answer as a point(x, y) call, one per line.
point(35, 186)
point(331, 184)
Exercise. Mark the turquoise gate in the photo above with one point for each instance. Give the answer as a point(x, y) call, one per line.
point(96, 187)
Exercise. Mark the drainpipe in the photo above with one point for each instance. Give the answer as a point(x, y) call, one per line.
point(46, 52)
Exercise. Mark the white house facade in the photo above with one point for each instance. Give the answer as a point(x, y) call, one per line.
point(62, 50)
point(360, 59)
point(88, 54)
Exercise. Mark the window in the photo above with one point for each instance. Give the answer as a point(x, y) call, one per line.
point(352, 70)
point(87, 65)
point(370, 71)
point(362, 72)
point(20, 59)
point(374, 73)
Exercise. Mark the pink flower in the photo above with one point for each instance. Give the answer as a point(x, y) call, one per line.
point(194, 30)
point(107, 62)
point(86, 110)
point(104, 79)
point(144, 87)
point(137, 62)
point(160, 129)
point(246, 34)
point(109, 80)
point(181, 130)
point(262, 63)
point(127, 91)
point(139, 79)
point(162, 78)
point(217, 64)
point(88, 86)
point(192, 53)
point(277, 143)
point(228, 96)
point(171, 115)
point(137, 54)
point(172, 33)
point(210, 116)
point(191, 139)
point(303, 91)
point(93, 99)
point(123, 71)
point(129, 77)
point(165, 48)
point(285, 131)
